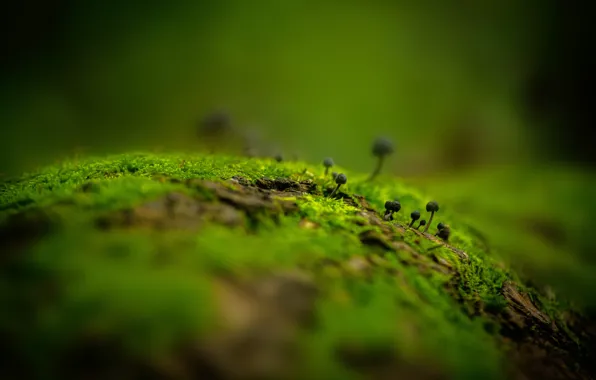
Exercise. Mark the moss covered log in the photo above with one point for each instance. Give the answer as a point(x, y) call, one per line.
point(182, 266)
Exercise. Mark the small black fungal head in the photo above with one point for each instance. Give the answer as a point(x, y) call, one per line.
point(392, 206)
point(432, 206)
point(389, 205)
point(382, 146)
point(278, 157)
point(415, 215)
point(341, 179)
point(444, 233)
point(440, 226)
point(216, 122)
point(423, 222)
point(328, 162)
point(334, 175)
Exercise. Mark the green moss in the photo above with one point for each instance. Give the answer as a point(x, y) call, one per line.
point(59, 182)
point(153, 290)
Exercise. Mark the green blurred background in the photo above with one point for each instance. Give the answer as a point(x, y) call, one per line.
point(446, 80)
point(485, 100)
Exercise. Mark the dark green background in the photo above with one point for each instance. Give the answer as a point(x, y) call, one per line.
point(445, 80)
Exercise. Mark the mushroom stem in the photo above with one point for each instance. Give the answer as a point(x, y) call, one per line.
point(377, 168)
point(326, 171)
point(411, 223)
point(335, 190)
point(429, 221)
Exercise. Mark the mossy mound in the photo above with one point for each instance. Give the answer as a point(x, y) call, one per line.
point(181, 266)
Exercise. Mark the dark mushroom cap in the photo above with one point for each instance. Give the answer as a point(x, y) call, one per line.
point(341, 179)
point(415, 215)
point(216, 121)
point(432, 206)
point(423, 222)
point(392, 206)
point(382, 146)
point(440, 226)
point(278, 157)
point(444, 233)
point(328, 162)
point(334, 175)
point(389, 205)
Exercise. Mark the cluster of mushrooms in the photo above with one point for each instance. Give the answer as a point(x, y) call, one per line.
point(218, 124)
point(443, 230)
point(381, 148)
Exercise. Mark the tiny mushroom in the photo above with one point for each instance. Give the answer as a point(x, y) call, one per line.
point(390, 208)
point(381, 148)
point(422, 223)
point(278, 157)
point(444, 233)
point(327, 163)
point(431, 207)
point(341, 179)
point(415, 215)
point(217, 122)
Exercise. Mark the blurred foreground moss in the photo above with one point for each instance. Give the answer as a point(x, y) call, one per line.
point(166, 261)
